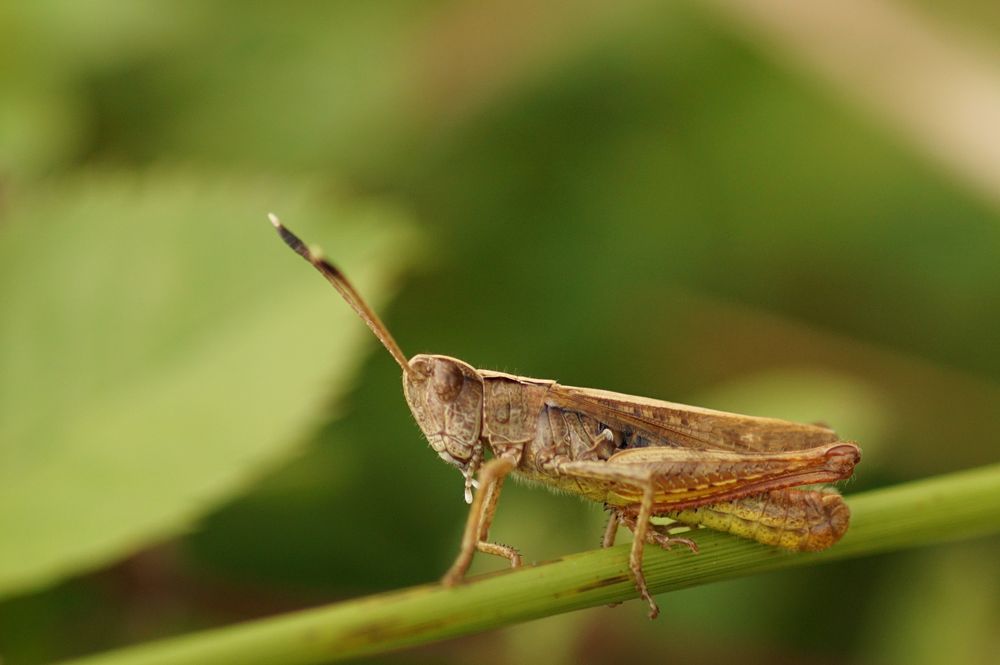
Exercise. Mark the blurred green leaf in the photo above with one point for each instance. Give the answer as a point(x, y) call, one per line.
point(158, 346)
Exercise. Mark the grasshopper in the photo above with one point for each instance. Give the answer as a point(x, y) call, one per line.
point(640, 457)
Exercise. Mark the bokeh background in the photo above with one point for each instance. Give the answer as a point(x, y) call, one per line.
point(754, 206)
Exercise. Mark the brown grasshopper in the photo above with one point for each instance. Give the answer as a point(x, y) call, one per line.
point(639, 457)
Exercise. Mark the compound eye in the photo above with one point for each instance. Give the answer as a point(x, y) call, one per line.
point(422, 368)
point(448, 381)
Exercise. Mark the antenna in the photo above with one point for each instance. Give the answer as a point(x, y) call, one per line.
point(335, 277)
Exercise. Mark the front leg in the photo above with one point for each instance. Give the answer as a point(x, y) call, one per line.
point(477, 525)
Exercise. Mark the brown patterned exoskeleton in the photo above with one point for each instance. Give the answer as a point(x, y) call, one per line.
point(639, 457)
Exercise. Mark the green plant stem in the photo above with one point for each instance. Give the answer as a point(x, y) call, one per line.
point(951, 507)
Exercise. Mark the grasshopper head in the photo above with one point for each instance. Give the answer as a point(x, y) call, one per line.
point(446, 398)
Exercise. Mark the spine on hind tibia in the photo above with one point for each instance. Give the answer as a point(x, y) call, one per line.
point(794, 519)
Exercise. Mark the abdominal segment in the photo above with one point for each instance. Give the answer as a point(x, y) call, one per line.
point(794, 519)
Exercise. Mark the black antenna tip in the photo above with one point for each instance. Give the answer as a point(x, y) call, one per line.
point(290, 238)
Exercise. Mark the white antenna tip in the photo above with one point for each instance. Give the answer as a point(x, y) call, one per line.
point(274, 220)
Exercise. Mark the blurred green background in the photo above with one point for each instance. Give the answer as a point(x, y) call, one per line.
point(742, 205)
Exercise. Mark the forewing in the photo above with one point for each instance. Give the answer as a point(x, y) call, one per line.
point(649, 422)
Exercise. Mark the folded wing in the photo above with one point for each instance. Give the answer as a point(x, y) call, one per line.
point(648, 422)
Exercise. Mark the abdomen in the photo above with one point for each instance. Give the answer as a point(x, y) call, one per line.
point(799, 520)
